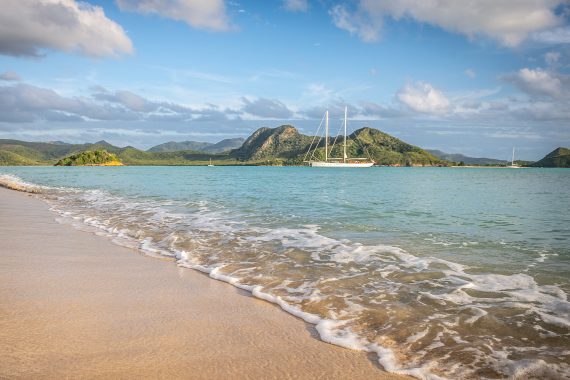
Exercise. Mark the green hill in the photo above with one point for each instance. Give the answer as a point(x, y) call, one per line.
point(98, 157)
point(206, 147)
point(456, 157)
point(266, 146)
point(43, 153)
point(287, 144)
point(14, 159)
point(265, 143)
point(173, 146)
point(558, 158)
point(14, 152)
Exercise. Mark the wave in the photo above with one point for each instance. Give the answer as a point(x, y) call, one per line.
point(14, 183)
point(422, 316)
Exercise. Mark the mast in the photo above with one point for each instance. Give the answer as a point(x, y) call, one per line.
point(327, 136)
point(345, 121)
point(513, 159)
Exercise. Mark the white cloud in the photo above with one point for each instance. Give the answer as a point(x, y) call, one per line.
point(210, 14)
point(554, 36)
point(423, 97)
point(539, 82)
point(10, 76)
point(358, 23)
point(552, 57)
point(296, 5)
point(502, 20)
point(266, 108)
point(29, 26)
point(24, 103)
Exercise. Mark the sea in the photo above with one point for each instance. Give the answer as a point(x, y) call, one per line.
point(457, 273)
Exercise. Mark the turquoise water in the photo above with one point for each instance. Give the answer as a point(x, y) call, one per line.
point(440, 271)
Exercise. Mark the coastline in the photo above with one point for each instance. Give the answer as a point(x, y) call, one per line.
point(74, 304)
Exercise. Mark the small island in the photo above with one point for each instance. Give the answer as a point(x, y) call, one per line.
point(98, 157)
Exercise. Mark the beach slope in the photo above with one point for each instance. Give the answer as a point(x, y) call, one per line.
point(74, 305)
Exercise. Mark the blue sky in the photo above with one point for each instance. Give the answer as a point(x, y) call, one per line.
point(471, 77)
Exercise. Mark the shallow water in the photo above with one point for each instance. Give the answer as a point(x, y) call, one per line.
point(451, 272)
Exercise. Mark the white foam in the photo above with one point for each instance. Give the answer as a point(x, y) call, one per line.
point(208, 222)
point(15, 183)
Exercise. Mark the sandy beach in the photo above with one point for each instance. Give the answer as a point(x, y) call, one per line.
point(75, 305)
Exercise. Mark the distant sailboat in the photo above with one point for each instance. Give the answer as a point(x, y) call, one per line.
point(335, 162)
point(512, 165)
point(210, 164)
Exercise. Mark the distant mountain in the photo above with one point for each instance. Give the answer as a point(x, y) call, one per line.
point(287, 144)
point(173, 146)
point(225, 145)
point(281, 142)
point(283, 145)
point(222, 146)
point(58, 143)
point(558, 158)
point(456, 157)
point(15, 152)
point(103, 143)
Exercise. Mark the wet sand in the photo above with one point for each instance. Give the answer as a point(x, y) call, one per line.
point(74, 305)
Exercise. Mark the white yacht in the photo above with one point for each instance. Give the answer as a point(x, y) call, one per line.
point(335, 162)
point(512, 165)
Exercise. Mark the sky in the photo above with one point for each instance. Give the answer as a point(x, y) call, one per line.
point(474, 77)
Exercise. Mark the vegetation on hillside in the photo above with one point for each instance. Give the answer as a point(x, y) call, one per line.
point(220, 147)
point(283, 145)
point(14, 159)
point(282, 142)
point(558, 158)
point(462, 160)
point(287, 144)
point(98, 157)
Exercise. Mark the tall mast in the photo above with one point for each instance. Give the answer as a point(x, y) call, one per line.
point(327, 135)
point(513, 159)
point(344, 150)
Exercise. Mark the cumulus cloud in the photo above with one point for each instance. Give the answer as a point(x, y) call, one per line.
point(27, 27)
point(266, 108)
point(210, 14)
point(296, 5)
point(539, 82)
point(498, 19)
point(128, 99)
point(357, 23)
point(423, 97)
point(26, 103)
point(10, 76)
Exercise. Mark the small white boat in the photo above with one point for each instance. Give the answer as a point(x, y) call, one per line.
point(210, 164)
point(335, 162)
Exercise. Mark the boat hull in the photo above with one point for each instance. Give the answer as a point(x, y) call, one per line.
point(341, 164)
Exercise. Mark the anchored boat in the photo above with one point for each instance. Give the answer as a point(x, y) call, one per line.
point(513, 165)
point(335, 162)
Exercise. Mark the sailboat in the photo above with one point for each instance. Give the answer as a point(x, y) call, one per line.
point(335, 162)
point(210, 164)
point(512, 165)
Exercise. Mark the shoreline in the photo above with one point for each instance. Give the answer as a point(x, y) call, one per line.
point(74, 304)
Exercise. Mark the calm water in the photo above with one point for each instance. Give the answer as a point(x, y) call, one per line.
point(440, 271)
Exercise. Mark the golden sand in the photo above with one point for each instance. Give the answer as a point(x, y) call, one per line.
point(74, 305)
